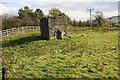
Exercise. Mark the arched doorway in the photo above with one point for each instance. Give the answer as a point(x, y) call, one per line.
point(58, 34)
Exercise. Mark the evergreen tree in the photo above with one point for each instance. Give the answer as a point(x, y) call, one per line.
point(29, 17)
point(38, 15)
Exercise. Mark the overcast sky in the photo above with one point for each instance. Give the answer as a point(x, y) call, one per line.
point(75, 9)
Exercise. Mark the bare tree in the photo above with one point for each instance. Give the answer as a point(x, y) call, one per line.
point(99, 18)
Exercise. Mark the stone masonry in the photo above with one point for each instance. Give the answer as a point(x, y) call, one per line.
point(54, 27)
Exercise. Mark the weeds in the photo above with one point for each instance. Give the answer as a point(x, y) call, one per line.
point(86, 53)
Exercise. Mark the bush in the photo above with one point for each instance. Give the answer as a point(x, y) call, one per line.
point(11, 23)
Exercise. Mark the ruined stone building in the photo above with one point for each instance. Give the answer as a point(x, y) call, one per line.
point(53, 27)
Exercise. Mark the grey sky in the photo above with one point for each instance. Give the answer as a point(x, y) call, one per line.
point(74, 9)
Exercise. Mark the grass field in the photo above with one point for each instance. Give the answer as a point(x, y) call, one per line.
point(86, 53)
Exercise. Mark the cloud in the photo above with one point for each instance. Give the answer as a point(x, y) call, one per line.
point(13, 11)
point(111, 13)
point(3, 9)
point(38, 1)
point(75, 9)
point(8, 10)
point(78, 15)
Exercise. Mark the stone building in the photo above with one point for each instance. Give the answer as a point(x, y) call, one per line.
point(54, 27)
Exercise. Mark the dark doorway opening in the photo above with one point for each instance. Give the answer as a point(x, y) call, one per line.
point(59, 35)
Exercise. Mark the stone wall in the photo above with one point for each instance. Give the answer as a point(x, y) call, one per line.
point(54, 27)
point(8, 32)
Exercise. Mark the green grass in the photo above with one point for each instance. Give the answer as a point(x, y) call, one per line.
point(86, 53)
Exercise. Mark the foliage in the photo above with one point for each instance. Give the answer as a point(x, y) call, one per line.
point(24, 12)
point(38, 15)
point(69, 21)
point(106, 23)
point(11, 23)
point(56, 12)
point(99, 21)
point(75, 23)
point(86, 53)
point(81, 23)
point(27, 17)
point(88, 23)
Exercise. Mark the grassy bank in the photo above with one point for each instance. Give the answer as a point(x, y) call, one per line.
point(86, 53)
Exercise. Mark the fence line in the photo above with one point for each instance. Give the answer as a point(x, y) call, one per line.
point(11, 31)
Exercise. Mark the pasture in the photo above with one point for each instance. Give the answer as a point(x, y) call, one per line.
point(88, 52)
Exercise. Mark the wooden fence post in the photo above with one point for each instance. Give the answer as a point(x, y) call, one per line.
point(9, 32)
point(4, 74)
point(0, 34)
point(4, 33)
point(22, 28)
point(18, 30)
point(14, 30)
